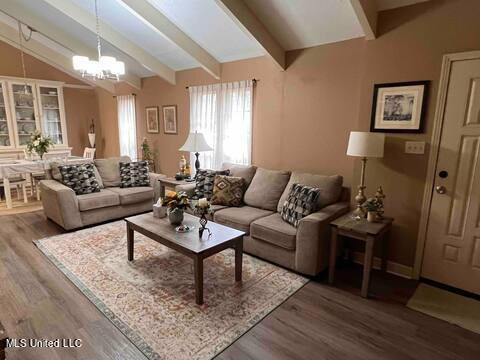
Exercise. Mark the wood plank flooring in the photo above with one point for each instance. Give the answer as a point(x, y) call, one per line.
point(318, 322)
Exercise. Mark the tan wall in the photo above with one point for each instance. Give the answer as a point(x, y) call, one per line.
point(302, 117)
point(80, 105)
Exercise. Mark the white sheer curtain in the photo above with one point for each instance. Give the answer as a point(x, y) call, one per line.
point(127, 125)
point(223, 113)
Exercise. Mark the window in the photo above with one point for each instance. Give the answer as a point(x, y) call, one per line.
point(223, 114)
point(127, 125)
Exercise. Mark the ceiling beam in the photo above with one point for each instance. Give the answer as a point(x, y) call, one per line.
point(366, 11)
point(52, 57)
point(241, 14)
point(13, 9)
point(159, 23)
point(87, 20)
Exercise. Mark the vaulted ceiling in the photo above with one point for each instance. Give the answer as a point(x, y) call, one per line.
point(160, 37)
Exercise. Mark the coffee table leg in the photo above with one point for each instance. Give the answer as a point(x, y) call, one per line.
point(238, 259)
point(129, 242)
point(198, 269)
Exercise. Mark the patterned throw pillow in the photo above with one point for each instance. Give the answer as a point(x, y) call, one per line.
point(301, 202)
point(80, 178)
point(204, 182)
point(228, 190)
point(133, 174)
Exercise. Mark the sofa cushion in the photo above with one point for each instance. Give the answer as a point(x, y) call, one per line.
point(330, 188)
point(109, 170)
point(134, 174)
point(204, 179)
point(104, 198)
point(301, 202)
point(57, 175)
point(274, 230)
point(266, 188)
point(228, 190)
point(133, 195)
point(80, 178)
point(239, 218)
point(244, 171)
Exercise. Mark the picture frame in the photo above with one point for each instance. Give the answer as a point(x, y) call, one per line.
point(399, 107)
point(151, 119)
point(170, 119)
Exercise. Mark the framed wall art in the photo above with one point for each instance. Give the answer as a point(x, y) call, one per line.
point(399, 107)
point(170, 119)
point(151, 116)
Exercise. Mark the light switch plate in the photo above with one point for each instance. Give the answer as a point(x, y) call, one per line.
point(414, 147)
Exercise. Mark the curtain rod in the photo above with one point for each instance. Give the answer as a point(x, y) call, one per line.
point(253, 80)
point(130, 94)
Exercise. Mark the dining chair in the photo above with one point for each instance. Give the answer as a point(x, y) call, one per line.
point(60, 156)
point(89, 153)
point(15, 181)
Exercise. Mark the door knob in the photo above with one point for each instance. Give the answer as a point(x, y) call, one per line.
point(440, 189)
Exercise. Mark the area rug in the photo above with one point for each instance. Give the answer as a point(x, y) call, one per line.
point(152, 299)
point(447, 306)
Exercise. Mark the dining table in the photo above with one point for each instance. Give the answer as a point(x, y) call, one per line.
point(10, 168)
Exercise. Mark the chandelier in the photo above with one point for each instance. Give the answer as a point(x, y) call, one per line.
point(105, 68)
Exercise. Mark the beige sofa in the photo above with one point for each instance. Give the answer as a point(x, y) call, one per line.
point(71, 211)
point(303, 249)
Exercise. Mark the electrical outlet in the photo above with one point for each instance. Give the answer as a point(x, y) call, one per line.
point(414, 147)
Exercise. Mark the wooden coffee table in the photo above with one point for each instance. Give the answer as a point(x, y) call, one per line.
point(189, 244)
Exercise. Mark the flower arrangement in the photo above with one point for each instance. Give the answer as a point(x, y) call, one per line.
point(174, 200)
point(39, 144)
point(373, 206)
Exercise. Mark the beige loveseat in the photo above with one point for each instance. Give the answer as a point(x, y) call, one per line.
point(71, 211)
point(303, 249)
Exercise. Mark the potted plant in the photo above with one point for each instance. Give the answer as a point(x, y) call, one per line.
point(147, 153)
point(372, 206)
point(39, 144)
point(176, 204)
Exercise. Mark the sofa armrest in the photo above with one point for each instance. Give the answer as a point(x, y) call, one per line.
point(154, 177)
point(313, 238)
point(60, 204)
point(187, 188)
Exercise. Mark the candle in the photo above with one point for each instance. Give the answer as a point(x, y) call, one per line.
point(203, 203)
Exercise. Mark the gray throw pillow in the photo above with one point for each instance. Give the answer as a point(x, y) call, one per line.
point(80, 178)
point(266, 188)
point(134, 174)
point(301, 202)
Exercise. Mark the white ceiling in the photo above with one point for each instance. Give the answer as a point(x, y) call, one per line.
point(294, 24)
point(306, 23)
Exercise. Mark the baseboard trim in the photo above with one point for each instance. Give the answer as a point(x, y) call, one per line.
point(392, 267)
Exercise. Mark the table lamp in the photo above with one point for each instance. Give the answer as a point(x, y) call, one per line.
point(196, 143)
point(365, 145)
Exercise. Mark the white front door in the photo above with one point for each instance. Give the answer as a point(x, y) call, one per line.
point(452, 250)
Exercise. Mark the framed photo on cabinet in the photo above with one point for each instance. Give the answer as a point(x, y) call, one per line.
point(151, 116)
point(399, 107)
point(170, 119)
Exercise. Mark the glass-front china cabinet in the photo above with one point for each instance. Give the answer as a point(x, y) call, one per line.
point(27, 106)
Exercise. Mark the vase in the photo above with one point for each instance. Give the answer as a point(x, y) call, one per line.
point(91, 139)
point(175, 216)
point(372, 216)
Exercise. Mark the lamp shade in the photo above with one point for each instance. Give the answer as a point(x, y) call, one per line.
point(366, 144)
point(196, 143)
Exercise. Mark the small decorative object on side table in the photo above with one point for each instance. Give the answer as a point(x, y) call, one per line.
point(202, 209)
point(361, 229)
point(176, 204)
point(373, 207)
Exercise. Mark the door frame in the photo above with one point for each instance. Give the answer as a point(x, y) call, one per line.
point(448, 59)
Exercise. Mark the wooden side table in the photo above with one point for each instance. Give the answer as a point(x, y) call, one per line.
point(364, 231)
point(170, 182)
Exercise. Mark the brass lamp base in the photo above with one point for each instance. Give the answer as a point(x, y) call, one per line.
point(360, 198)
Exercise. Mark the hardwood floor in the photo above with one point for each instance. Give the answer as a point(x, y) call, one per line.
point(318, 322)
